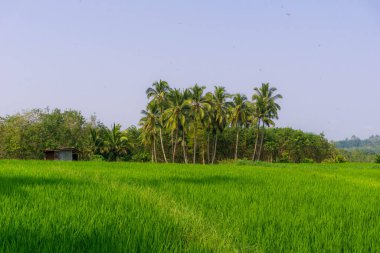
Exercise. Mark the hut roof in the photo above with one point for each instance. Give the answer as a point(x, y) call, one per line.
point(63, 149)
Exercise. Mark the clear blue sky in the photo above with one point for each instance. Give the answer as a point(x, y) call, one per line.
point(100, 56)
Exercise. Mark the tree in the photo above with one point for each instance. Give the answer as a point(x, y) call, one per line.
point(219, 113)
point(377, 159)
point(149, 123)
point(158, 94)
point(115, 143)
point(199, 106)
point(26, 135)
point(266, 110)
point(137, 151)
point(97, 139)
point(176, 117)
point(239, 116)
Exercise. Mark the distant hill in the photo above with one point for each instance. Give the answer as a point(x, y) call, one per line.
point(357, 150)
point(370, 145)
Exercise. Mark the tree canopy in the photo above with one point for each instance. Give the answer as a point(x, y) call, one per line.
point(177, 125)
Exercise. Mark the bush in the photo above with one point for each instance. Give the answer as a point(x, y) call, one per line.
point(377, 159)
point(340, 159)
point(245, 162)
point(307, 160)
point(96, 158)
point(336, 159)
point(284, 159)
point(227, 161)
point(141, 157)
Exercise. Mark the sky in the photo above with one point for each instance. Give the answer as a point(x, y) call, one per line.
point(99, 56)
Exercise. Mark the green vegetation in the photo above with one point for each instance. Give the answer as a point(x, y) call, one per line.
point(191, 116)
point(181, 126)
point(132, 207)
point(371, 144)
point(357, 150)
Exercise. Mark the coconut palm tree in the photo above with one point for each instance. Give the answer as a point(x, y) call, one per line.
point(208, 124)
point(266, 110)
point(96, 139)
point(176, 116)
point(115, 143)
point(256, 116)
point(219, 113)
point(158, 95)
point(149, 123)
point(239, 116)
point(199, 106)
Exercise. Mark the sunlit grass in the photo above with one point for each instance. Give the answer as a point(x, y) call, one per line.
point(126, 207)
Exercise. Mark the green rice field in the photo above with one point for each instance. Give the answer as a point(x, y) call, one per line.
point(132, 207)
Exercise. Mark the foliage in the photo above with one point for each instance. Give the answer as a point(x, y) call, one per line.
point(358, 150)
point(26, 135)
point(372, 143)
point(340, 159)
point(358, 155)
point(377, 159)
point(115, 143)
point(96, 158)
point(207, 125)
point(265, 111)
point(177, 124)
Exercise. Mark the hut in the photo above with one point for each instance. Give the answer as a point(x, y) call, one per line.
point(62, 154)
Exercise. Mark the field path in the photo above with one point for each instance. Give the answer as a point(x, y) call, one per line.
point(195, 226)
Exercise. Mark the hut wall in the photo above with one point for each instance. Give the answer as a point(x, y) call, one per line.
point(66, 155)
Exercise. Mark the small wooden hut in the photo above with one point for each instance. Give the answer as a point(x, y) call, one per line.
point(62, 154)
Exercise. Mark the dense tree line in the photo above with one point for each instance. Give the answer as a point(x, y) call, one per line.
point(214, 126)
point(178, 125)
point(193, 119)
point(26, 135)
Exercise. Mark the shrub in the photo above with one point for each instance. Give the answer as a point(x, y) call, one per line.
point(245, 162)
point(377, 159)
point(340, 159)
point(307, 160)
point(284, 160)
point(336, 159)
point(227, 161)
point(141, 157)
point(96, 158)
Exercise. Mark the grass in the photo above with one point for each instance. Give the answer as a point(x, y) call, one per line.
point(130, 207)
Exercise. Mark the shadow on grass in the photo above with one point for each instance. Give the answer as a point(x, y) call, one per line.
point(209, 180)
point(14, 185)
point(24, 239)
point(199, 181)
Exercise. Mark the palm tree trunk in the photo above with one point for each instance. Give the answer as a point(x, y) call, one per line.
point(152, 154)
point(237, 142)
point(154, 148)
point(208, 147)
point(203, 154)
point(172, 147)
point(261, 142)
point(162, 146)
point(215, 144)
point(245, 141)
point(175, 144)
point(257, 139)
point(195, 143)
point(184, 147)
